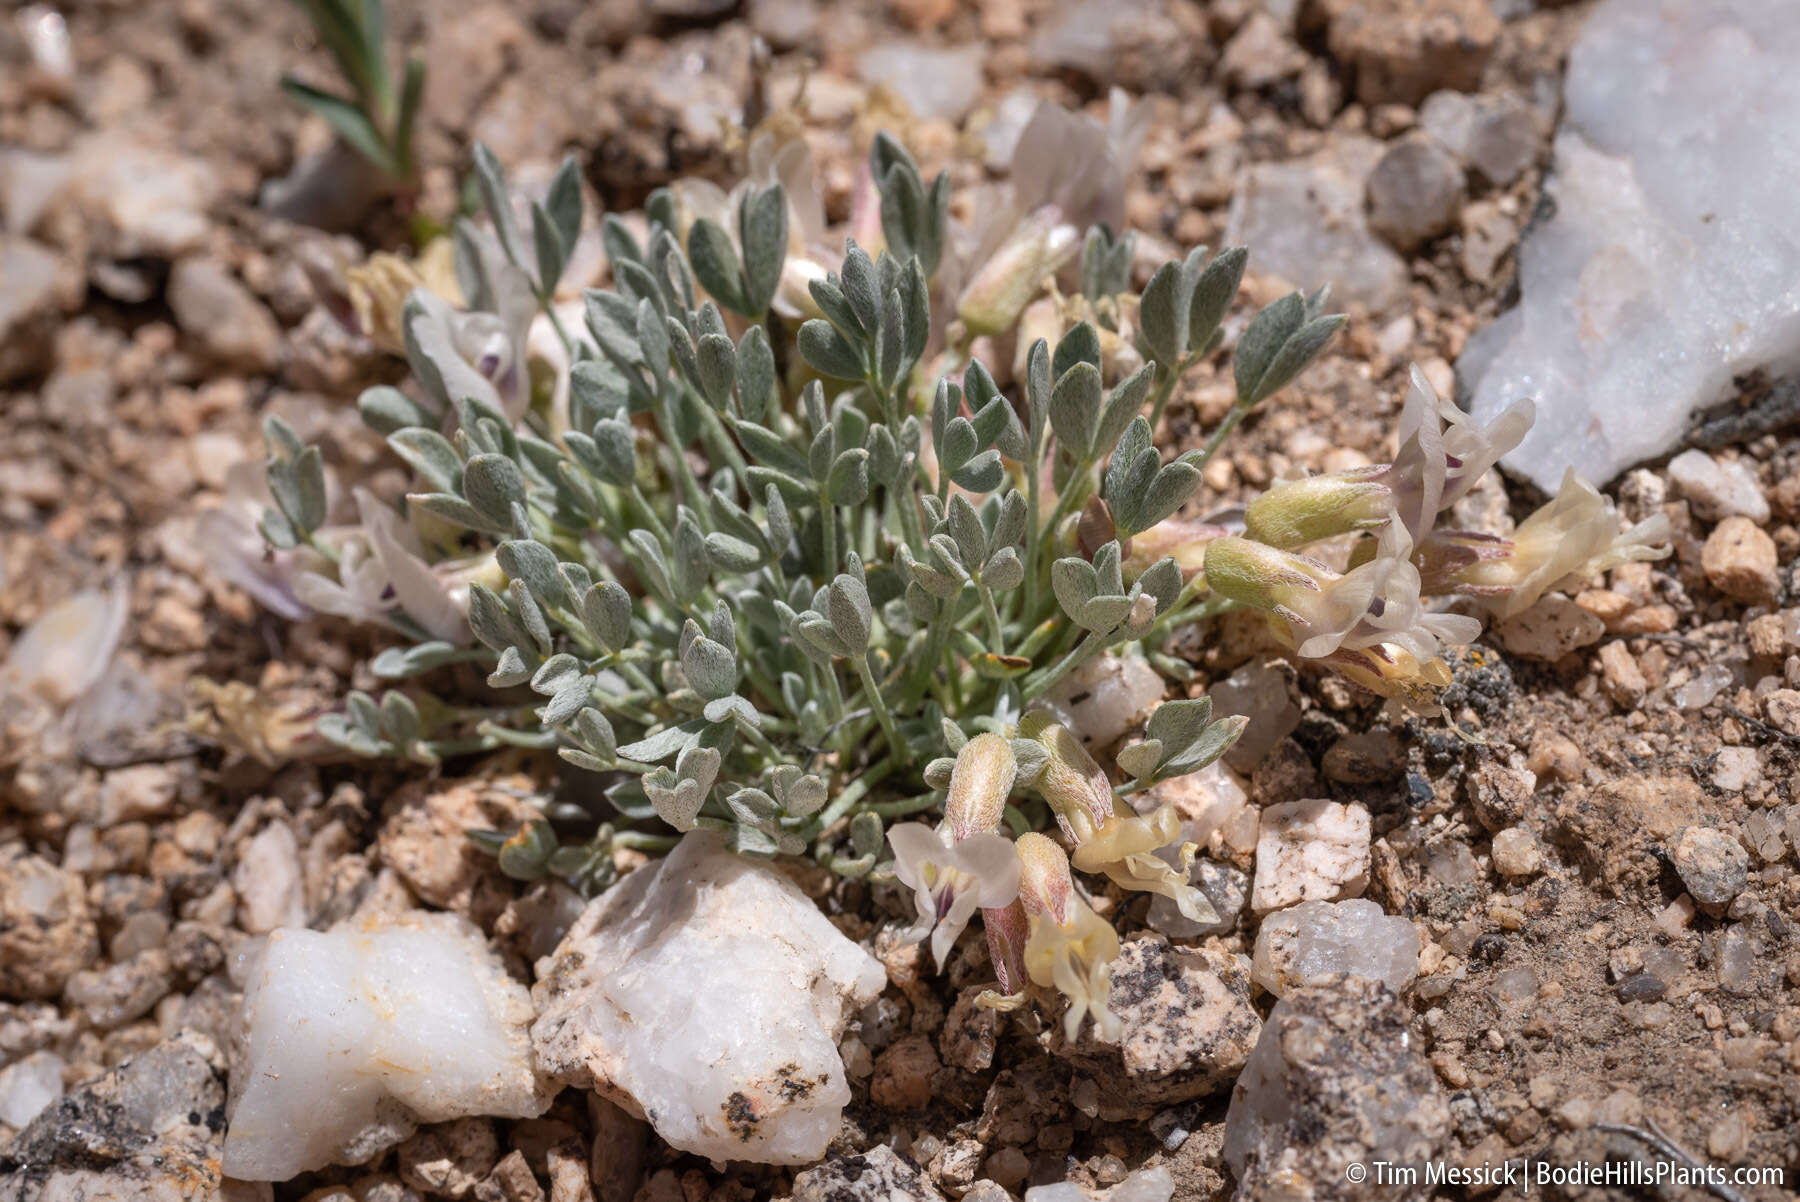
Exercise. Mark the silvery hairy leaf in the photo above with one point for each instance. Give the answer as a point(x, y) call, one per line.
point(1162, 582)
point(606, 614)
point(652, 563)
point(386, 410)
point(492, 484)
point(711, 668)
point(492, 622)
point(1075, 408)
point(535, 565)
point(715, 368)
point(496, 199)
point(1080, 345)
point(937, 772)
point(1122, 406)
point(595, 734)
point(1213, 293)
point(848, 481)
point(430, 455)
point(800, 794)
point(733, 554)
point(715, 263)
point(1278, 342)
point(852, 617)
point(755, 374)
point(763, 232)
point(1030, 756)
point(692, 566)
point(550, 251)
point(828, 352)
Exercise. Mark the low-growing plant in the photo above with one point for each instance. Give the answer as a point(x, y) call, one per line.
point(376, 120)
point(779, 557)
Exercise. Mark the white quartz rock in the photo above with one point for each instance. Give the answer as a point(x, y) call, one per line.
point(707, 993)
point(1145, 1185)
point(1298, 946)
point(28, 1085)
point(350, 1038)
point(1310, 851)
point(1103, 698)
point(1671, 263)
point(68, 648)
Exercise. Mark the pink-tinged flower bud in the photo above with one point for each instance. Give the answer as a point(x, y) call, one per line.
point(1069, 947)
point(951, 880)
point(1305, 511)
point(1007, 931)
point(1005, 284)
point(1072, 781)
point(979, 786)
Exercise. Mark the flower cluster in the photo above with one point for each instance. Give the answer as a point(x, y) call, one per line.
point(1374, 621)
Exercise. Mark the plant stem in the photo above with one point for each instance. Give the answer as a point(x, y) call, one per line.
point(909, 805)
point(995, 630)
point(644, 840)
point(1225, 427)
point(852, 793)
point(1089, 647)
point(883, 715)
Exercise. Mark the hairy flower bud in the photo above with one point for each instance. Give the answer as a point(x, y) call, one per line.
point(1006, 931)
point(1072, 781)
point(1069, 948)
point(1004, 285)
point(979, 785)
point(1304, 511)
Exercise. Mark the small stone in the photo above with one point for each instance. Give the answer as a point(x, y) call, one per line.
point(1106, 696)
point(1336, 1079)
point(1739, 960)
point(46, 931)
point(936, 84)
point(1260, 692)
point(1550, 629)
point(1736, 769)
point(1403, 50)
point(1188, 1026)
point(115, 995)
point(1782, 708)
point(139, 200)
point(450, 1158)
point(147, 1129)
point(66, 651)
point(1740, 561)
point(784, 24)
point(401, 1021)
point(1516, 853)
point(1145, 1185)
point(1642, 987)
point(37, 287)
point(903, 1074)
point(878, 1175)
point(1365, 757)
point(1621, 677)
point(1226, 887)
point(29, 1085)
point(222, 317)
point(270, 881)
point(1713, 865)
point(1310, 851)
point(1315, 939)
point(1499, 794)
point(1008, 1168)
point(1703, 687)
point(1306, 217)
point(1717, 490)
point(1415, 192)
point(753, 986)
point(1260, 53)
point(1496, 136)
point(424, 840)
